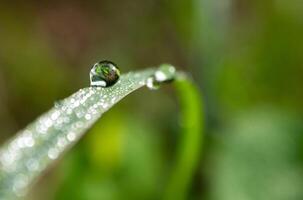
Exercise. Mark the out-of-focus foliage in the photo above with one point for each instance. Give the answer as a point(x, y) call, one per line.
point(246, 56)
point(120, 162)
point(259, 157)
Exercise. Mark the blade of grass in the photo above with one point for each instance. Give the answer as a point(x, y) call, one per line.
point(24, 157)
point(32, 150)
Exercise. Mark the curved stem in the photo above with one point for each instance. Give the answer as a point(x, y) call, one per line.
point(191, 139)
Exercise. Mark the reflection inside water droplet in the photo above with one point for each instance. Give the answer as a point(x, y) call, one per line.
point(104, 74)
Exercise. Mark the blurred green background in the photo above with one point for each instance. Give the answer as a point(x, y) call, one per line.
point(246, 57)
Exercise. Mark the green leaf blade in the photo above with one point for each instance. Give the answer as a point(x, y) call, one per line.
point(33, 149)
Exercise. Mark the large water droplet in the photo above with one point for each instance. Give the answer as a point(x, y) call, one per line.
point(165, 73)
point(104, 74)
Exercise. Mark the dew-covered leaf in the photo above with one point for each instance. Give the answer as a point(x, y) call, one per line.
point(33, 149)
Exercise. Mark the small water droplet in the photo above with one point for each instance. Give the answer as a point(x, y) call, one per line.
point(104, 74)
point(58, 103)
point(29, 141)
point(32, 164)
point(53, 153)
point(152, 84)
point(55, 115)
point(165, 73)
point(61, 142)
point(88, 116)
point(105, 105)
point(71, 136)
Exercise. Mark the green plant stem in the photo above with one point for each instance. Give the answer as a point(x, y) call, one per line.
point(189, 151)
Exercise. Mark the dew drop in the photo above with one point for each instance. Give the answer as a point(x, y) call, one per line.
point(55, 115)
point(71, 136)
point(88, 116)
point(165, 73)
point(53, 153)
point(29, 141)
point(152, 84)
point(32, 164)
point(104, 74)
point(61, 142)
point(58, 103)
